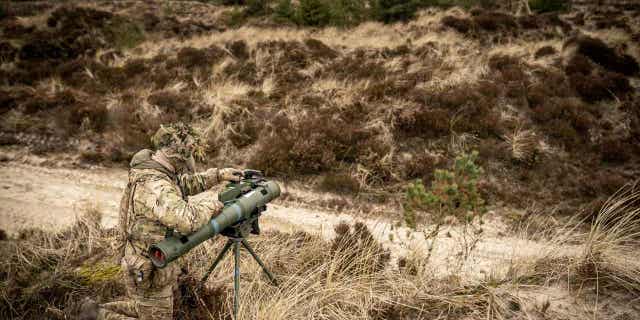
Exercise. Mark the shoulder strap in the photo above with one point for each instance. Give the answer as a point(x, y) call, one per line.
point(123, 218)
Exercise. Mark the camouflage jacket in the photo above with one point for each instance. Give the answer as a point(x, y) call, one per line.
point(157, 200)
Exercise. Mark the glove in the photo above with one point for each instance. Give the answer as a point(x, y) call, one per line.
point(218, 206)
point(229, 174)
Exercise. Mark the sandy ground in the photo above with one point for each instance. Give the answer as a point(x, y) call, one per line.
point(45, 197)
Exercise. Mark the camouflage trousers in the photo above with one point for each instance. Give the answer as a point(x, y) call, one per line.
point(149, 292)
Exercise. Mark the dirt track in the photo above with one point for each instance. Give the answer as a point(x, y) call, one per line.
point(34, 196)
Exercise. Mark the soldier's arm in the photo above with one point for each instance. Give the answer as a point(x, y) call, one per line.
point(195, 183)
point(168, 207)
point(198, 182)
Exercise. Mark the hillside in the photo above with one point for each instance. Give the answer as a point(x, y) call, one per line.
point(532, 119)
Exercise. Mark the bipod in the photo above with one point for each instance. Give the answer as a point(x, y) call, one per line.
point(236, 240)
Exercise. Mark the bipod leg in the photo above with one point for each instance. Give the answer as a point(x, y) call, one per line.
point(215, 263)
point(236, 276)
point(255, 256)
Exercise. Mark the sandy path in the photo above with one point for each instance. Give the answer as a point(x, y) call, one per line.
point(51, 198)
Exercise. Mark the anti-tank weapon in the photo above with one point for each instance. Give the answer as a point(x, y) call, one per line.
point(244, 203)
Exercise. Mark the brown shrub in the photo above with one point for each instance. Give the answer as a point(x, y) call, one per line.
point(600, 184)
point(609, 22)
point(42, 49)
point(615, 150)
point(7, 52)
point(423, 122)
point(129, 122)
point(359, 251)
point(244, 122)
point(545, 51)
point(74, 72)
point(14, 30)
point(607, 57)
point(110, 78)
point(171, 101)
point(90, 115)
point(598, 87)
point(77, 18)
point(243, 71)
point(319, 142)
point(400, 50)
point(544, 20)
point(192, 58)
point(479, 119)
point(537, 94)
point(379, 90)
point(319, 49)
point(239, 49)
point(579, 64)
point(510, 69)
point(135, 68)
point(40, 103)
point(420, 166)
point(500, 62)
point(565, 119)
point(551, 83)
point(461, 25)
point(355, 66)
point(495, 21)
point(7, 101)
point(339, 182)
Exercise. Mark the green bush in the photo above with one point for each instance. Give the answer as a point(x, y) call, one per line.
point(284, 11)
point(453, 192)
point(313, 13)
point(389, 11)
point(230, 2)
point(125, 34)
point(347, 12)
point(549, 5)
point(257, 7)
point(237, 17)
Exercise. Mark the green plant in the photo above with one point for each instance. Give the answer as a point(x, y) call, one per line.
point(284, 11)
point(549, 5)
point(257, 7)
point(453, 192)
point(125, 34)
point(237, 17)
point(313, 13)
point(347, 12)
point(389, 11)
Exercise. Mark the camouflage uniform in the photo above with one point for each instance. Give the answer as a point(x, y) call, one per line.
point(155, 202)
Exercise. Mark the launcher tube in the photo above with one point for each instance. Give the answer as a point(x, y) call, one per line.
point(171, 248)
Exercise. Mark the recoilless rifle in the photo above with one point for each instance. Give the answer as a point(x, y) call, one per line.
point(244, 203)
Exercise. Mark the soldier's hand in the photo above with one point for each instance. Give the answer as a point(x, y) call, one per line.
point(218, 206)
point(229, 174)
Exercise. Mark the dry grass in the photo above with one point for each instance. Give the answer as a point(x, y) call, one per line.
point(599, 260)
point(523, 144)
point(349, 277)
point(611, 248)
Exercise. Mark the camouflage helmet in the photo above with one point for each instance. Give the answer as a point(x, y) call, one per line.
point(180, 139)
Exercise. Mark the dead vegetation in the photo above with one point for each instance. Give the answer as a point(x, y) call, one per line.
point(347, 277)
point(549, 99)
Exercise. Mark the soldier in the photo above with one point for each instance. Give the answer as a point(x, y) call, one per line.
point(163, 195)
